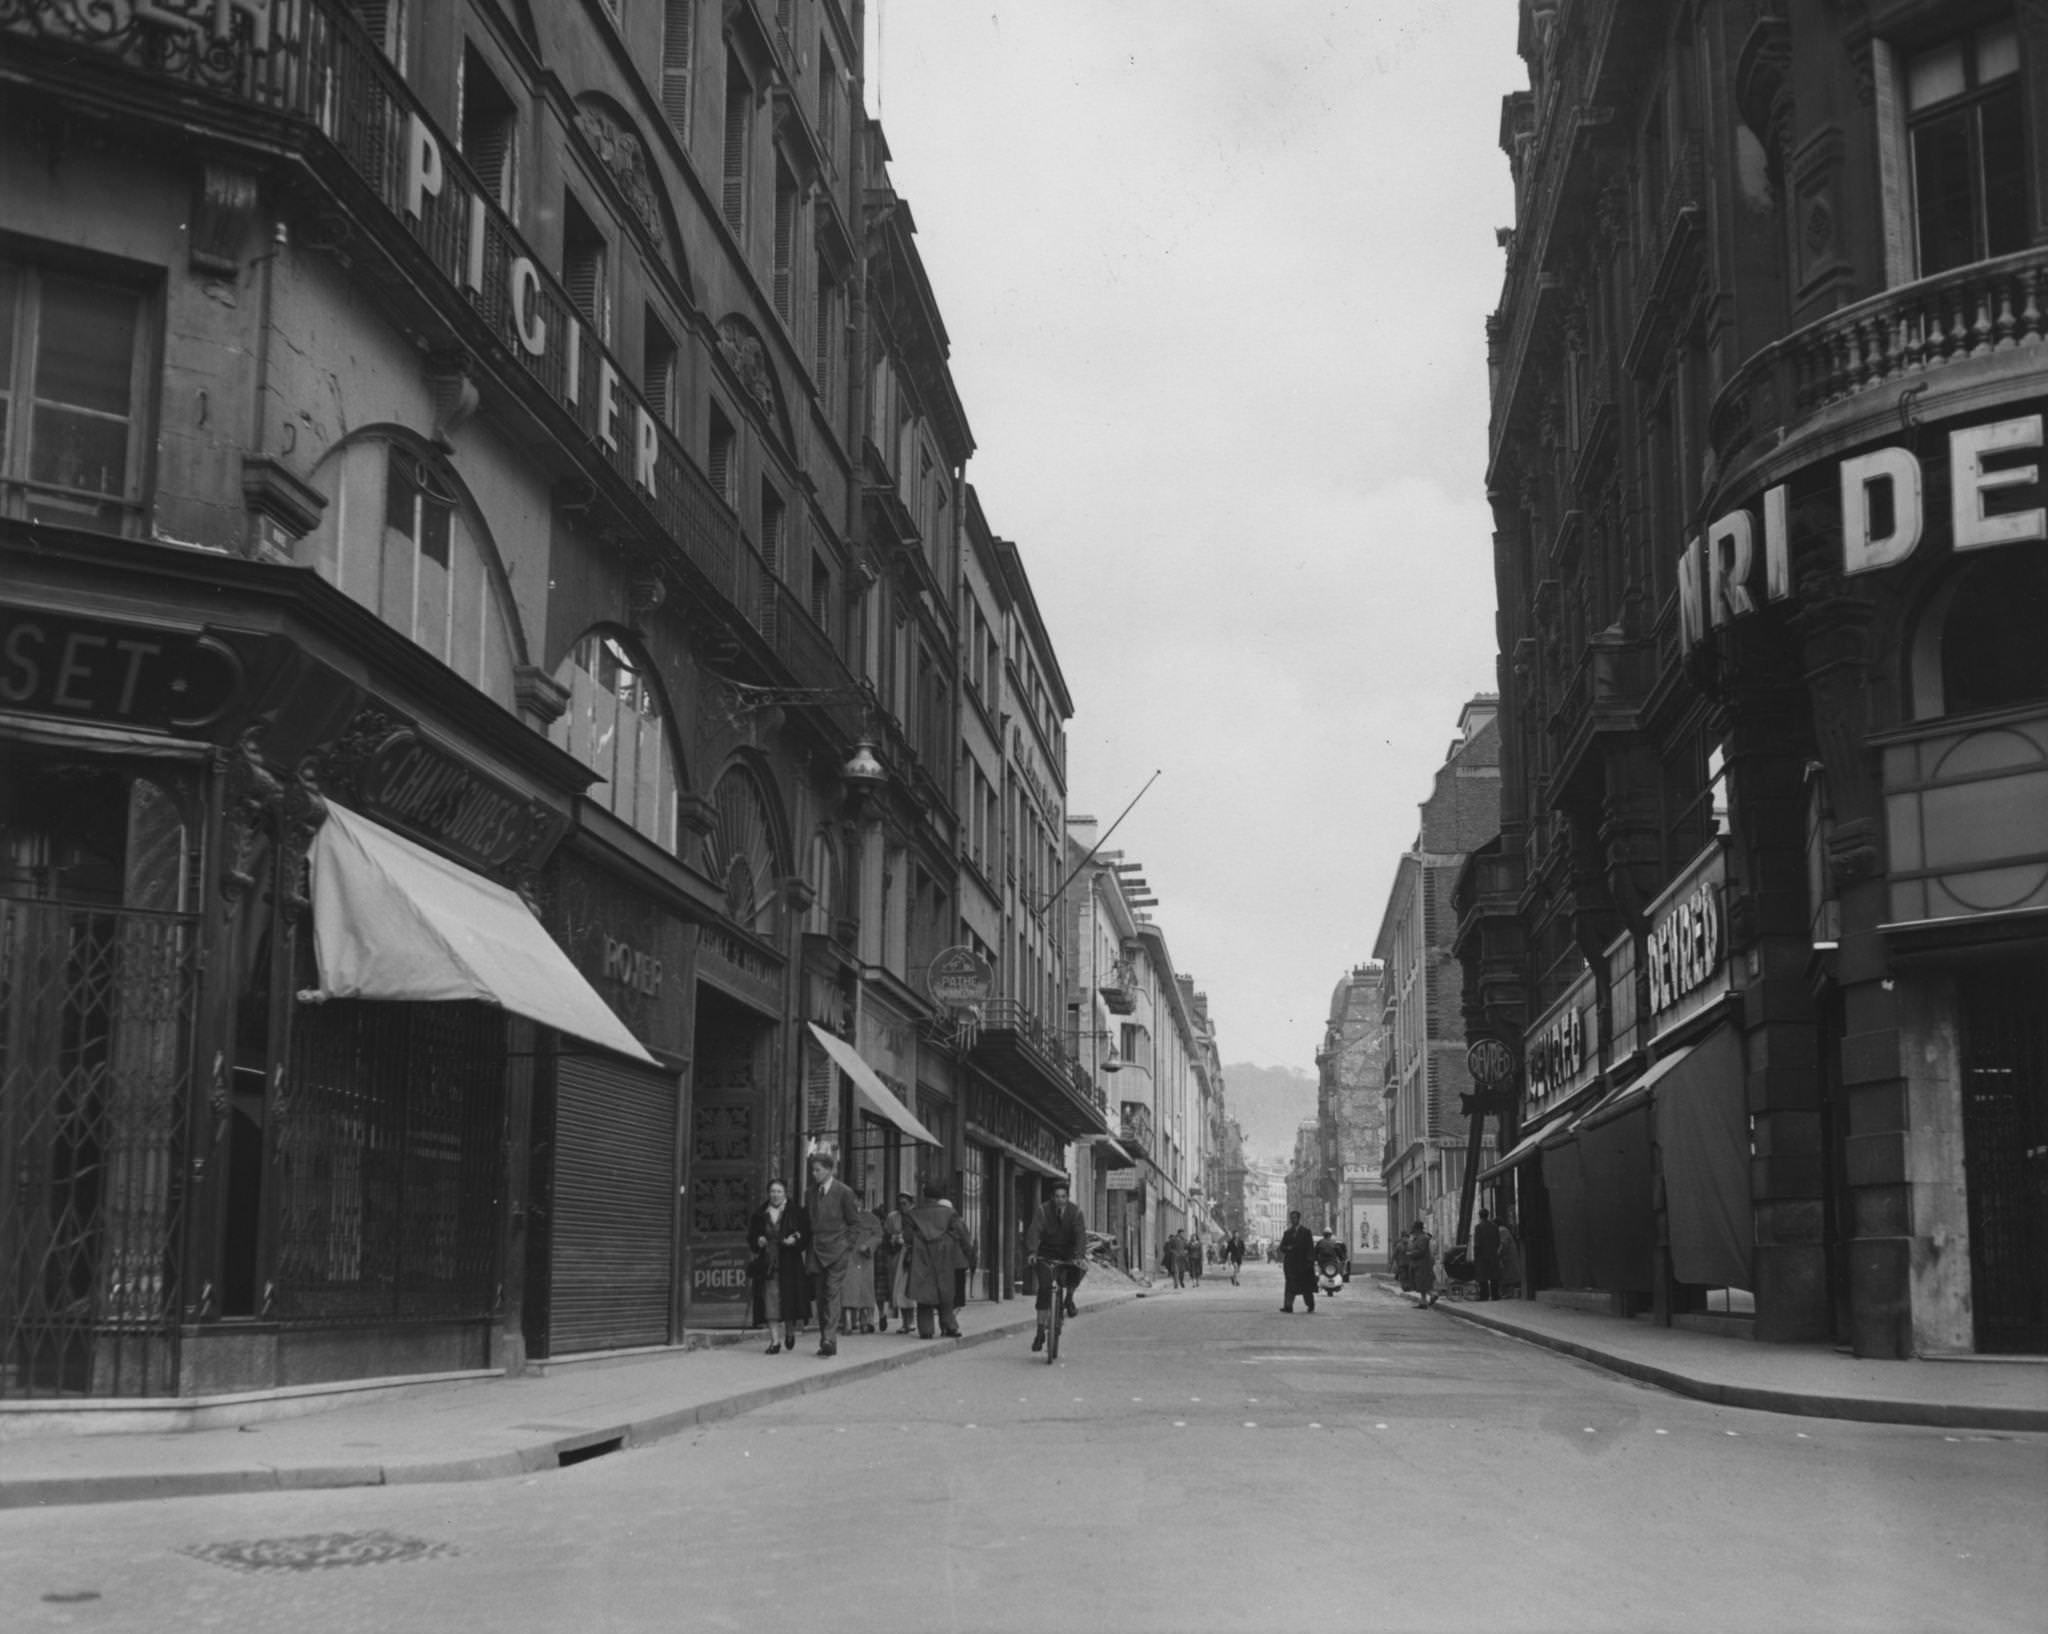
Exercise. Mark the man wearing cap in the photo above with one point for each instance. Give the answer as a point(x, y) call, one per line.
point(1057, 1232)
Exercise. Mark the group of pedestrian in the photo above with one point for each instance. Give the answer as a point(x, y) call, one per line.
point(832, 1256)
point(1496, 1260)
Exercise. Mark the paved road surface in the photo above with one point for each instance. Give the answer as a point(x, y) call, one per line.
point(1197, 1461)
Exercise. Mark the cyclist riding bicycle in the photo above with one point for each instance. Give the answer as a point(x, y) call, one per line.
point(1056, 1233)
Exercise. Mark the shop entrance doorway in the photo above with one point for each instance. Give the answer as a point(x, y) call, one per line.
point(2005, 1152)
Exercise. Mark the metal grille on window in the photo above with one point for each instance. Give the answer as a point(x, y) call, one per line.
point(95, 1019)
point(389, 1154)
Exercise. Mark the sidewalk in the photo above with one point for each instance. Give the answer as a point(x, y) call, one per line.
point(1970, 1393)
point(481, 1427)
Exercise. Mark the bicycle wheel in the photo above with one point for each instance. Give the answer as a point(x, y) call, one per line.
point(1053, 1320)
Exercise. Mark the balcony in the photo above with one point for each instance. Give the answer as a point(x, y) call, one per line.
point(1967, 331)
point(1029, 1059)
point(1601, 697)
point(1962, 810)
point(1120, 990)
point(1135, 1128)
point(435, 245)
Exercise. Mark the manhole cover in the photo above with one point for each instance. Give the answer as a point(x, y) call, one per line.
point(318, 1550)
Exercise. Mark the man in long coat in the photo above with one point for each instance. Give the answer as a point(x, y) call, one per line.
point(1298, 1264)
point(939, 1249)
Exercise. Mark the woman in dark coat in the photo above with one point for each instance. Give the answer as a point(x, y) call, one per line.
point(777, 1237)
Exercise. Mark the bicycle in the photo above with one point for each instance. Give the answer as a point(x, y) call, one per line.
point(1055, 1318)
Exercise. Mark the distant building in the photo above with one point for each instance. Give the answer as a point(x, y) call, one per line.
point(1351, 1113)
point(1424, 1161)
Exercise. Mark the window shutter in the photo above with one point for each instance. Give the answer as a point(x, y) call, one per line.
point(785, 246)
point(737, 99)
point(677, 47)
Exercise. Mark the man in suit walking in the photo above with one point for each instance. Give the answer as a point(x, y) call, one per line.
point(836, 1227)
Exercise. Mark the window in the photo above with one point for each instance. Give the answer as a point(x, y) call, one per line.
point(617, 725)
point(72, 443)
point(386, 22)
point(784, 272)
point(1993, 655)
point(678, 44)
point(828, 103)
point(739, 124)
point(658, 360)
point(827, 341)
point(719, 466)
point(821, 597)
point(490, 127)
point(399, 537)
point(585, 273)
point(774, 519)
point(1967, 131)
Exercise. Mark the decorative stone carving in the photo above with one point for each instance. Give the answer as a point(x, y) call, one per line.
point(620, 150)
point(253, 796)
point(743, 350)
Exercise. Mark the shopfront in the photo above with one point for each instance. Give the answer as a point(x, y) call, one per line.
point(272, 997)
point(1021, 1158)
point(603, 1252)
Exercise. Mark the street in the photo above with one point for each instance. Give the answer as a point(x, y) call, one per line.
point(1197, 1460)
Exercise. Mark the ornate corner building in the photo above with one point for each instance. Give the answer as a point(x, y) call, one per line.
point(1768, 919)
point(461, 465)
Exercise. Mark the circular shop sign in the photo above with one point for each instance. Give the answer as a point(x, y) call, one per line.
point(1490, 1062)
point(959, 976)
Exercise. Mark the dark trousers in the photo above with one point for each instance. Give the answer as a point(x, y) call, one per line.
point(943, 1311)
point(1489, 1287)
point(1067, 1276)
point(831, 1286)
point(1305, 1286)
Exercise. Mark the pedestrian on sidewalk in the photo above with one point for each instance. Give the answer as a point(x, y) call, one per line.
point(835, 1228)
point(1422, 1264)
point(1235, 1250)
point(780, 1235)
point(890, 1262)
point(1486, 1255)
point(1177, 1259)
point(1510, 1259)
point(939, 1250)
point(857, 1314)
point(1298, 1264)
point(1058, 1232)
point(1197, 1254)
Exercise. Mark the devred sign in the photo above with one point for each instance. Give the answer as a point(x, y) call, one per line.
point(959, 976)
point(1490, 1061)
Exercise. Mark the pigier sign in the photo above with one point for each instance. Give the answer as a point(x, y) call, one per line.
point(1990, 471)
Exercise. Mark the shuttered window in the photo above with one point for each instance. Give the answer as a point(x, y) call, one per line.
point(584, 273)
point(678, 44)
point(785, 245)
point(489, 125)
point(739, 106)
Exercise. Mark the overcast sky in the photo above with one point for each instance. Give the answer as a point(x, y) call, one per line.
point(1216, 275)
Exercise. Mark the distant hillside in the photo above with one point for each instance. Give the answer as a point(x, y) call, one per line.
point(1269, 1104)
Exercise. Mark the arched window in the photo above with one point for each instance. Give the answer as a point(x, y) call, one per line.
point(1983, 642)
point(400, 536)
point(617, 724)
point(743, 854)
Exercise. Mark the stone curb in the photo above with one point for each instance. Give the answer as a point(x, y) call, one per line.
point(1864, 1409)
point(53, 1491)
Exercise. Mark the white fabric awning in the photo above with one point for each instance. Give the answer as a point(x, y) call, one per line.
point(1117, 1147)
point(879, 1098)
point(392, 920)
